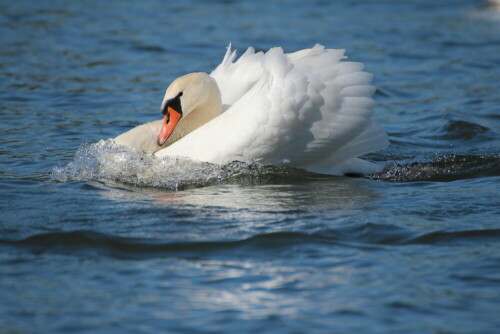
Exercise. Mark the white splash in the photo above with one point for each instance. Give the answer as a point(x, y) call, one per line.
point(107, 160)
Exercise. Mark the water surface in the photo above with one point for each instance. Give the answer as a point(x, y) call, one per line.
point(98, 239)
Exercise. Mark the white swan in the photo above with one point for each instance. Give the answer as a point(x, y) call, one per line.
point(307, 109)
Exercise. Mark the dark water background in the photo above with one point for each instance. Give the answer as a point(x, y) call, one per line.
point(245, 247)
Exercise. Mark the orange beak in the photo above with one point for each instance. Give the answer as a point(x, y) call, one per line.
point(170, 120)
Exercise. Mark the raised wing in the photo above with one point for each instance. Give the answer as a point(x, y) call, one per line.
point(236, 78)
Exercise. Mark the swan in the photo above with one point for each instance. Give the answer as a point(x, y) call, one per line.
point(308, 109)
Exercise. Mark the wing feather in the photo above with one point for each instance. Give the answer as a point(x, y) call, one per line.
point(306, 108)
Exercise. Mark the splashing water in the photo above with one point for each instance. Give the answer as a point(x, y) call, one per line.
point(447, 167)
point(107, 160)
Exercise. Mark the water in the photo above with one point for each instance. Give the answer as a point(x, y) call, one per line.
point(98, 239)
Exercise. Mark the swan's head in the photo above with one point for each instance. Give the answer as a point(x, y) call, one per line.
point(194, 91)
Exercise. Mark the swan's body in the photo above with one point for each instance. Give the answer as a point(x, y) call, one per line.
point(307, 109)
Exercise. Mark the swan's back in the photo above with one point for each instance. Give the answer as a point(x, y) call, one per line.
point(309, 109)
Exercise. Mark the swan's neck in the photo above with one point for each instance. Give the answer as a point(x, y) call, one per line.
point(202, 103)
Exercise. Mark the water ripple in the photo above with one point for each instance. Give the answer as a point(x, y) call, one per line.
point(444, 168)
point(363, 235)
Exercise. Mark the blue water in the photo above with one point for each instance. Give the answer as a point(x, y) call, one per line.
point(96, 239)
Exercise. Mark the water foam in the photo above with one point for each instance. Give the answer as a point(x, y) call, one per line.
point(107, 160)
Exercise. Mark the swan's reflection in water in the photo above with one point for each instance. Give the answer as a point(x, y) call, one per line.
point(333, 193)
point(246, 210)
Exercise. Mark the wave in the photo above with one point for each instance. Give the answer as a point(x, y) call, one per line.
point(462, 130)
point(444, 168)
point(362, 236)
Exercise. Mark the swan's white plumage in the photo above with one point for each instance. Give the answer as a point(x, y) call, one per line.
point(309, 109)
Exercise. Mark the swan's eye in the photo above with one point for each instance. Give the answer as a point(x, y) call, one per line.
point(174, 103)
